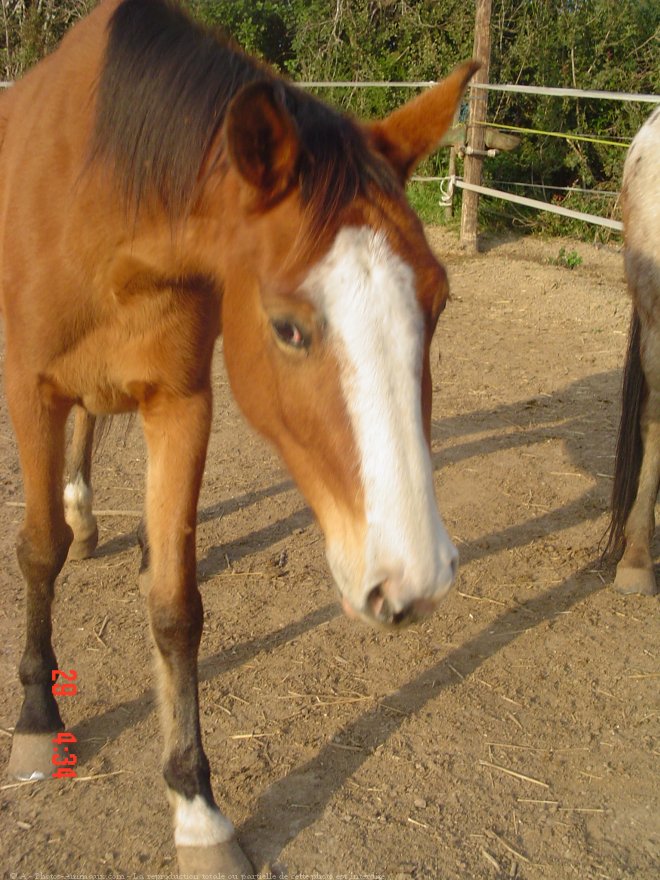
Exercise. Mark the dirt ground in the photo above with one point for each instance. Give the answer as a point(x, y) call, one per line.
point(513, 735)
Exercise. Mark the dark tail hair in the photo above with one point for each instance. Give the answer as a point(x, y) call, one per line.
point(629, 449)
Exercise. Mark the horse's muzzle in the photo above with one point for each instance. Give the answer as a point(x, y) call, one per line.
point(389, 604)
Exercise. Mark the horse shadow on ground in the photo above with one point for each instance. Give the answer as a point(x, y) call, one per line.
point(214, 511)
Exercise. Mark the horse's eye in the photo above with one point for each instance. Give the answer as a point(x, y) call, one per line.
point(289, 333)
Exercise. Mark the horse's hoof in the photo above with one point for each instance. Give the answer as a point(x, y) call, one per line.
point(32, 756)
point(84, 545)
point(222, 860)
point(635, 580)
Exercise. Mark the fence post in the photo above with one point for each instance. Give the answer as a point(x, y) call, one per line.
point(475, 131)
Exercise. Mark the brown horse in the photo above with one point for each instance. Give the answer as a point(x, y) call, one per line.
point(159, 187)
point(637, 467)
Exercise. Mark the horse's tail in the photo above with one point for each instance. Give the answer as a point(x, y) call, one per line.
point(629, 450)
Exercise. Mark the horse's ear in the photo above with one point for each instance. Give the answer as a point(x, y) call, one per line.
point(261, 137)
point(409, 134)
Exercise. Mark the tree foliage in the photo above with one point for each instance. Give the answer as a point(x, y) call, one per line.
point(32, 28)
point(609, 45)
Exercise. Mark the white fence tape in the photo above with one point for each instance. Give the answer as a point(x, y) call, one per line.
point(529, 90)
point(541, 206)
point(569, 93)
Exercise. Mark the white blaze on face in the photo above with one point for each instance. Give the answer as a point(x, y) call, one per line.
point(366, 294)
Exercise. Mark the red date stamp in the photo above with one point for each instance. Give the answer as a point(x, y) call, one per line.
point(64, 757)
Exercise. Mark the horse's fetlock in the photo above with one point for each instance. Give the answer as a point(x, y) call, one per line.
point(37, 669)
point(637, 555)
point(187, 772)
point(80, 518)
point(39, 712)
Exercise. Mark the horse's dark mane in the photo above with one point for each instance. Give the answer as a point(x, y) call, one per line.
point(164, 88)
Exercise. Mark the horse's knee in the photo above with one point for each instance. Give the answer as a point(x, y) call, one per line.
point(41, 558)
point(176, 623)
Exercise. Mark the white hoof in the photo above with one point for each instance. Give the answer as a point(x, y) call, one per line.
point(32, 756)
point(221, 861)
point(205, 841)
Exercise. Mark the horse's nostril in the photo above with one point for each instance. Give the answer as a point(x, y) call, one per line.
point(400, 616)
point(381, 609)
point(377, 601)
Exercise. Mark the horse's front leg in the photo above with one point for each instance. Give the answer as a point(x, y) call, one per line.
point(176, 431)
point(43, 541)
point(78, 489)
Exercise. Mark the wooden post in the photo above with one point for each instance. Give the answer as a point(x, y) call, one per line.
point(475, 132)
